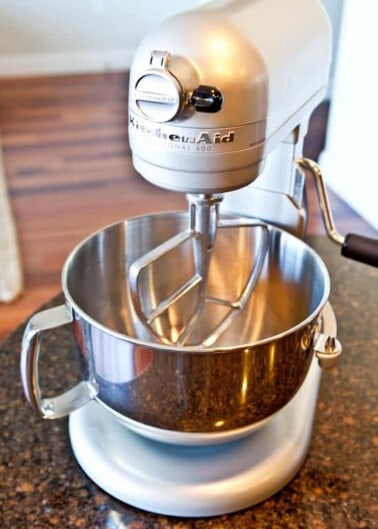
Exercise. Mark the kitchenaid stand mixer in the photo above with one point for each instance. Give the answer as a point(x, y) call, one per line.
point(211, 100)
point(219, 97)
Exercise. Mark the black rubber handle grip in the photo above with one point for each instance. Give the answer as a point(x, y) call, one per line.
point(360, 248)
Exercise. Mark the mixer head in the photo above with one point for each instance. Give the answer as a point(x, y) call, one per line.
point(212, 92)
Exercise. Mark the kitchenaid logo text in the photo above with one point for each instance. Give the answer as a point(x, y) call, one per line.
point(202, 138)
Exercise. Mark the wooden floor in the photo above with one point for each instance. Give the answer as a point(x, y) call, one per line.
point(69, 172)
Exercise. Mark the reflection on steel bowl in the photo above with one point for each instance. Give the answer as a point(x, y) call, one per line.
point(251, 372)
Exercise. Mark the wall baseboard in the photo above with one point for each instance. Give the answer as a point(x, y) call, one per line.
point(13, 65)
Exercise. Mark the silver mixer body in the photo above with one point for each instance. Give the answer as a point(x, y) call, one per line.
point(219, 102)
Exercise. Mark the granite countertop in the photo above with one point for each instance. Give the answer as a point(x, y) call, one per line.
point(41, 485)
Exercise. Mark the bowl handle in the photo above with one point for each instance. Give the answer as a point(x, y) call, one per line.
point(62, 405)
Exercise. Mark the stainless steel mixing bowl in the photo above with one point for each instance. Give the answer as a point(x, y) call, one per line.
point(254, 369)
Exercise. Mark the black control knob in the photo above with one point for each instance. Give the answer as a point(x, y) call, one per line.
point(207, 99)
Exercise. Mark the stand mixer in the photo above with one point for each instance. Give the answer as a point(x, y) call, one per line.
point(217, 305)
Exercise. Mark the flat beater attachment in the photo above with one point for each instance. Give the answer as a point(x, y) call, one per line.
point(183, 311)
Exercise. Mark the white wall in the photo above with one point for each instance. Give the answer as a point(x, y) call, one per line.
point(349, 159)
point(57, 36)
point(334, 9)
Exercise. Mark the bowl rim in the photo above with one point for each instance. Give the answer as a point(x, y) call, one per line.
point(72, 304)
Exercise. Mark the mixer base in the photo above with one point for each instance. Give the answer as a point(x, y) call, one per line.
point(195, 481)
point(198, 481)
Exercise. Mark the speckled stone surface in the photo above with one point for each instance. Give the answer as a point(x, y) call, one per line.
point(41, 485)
